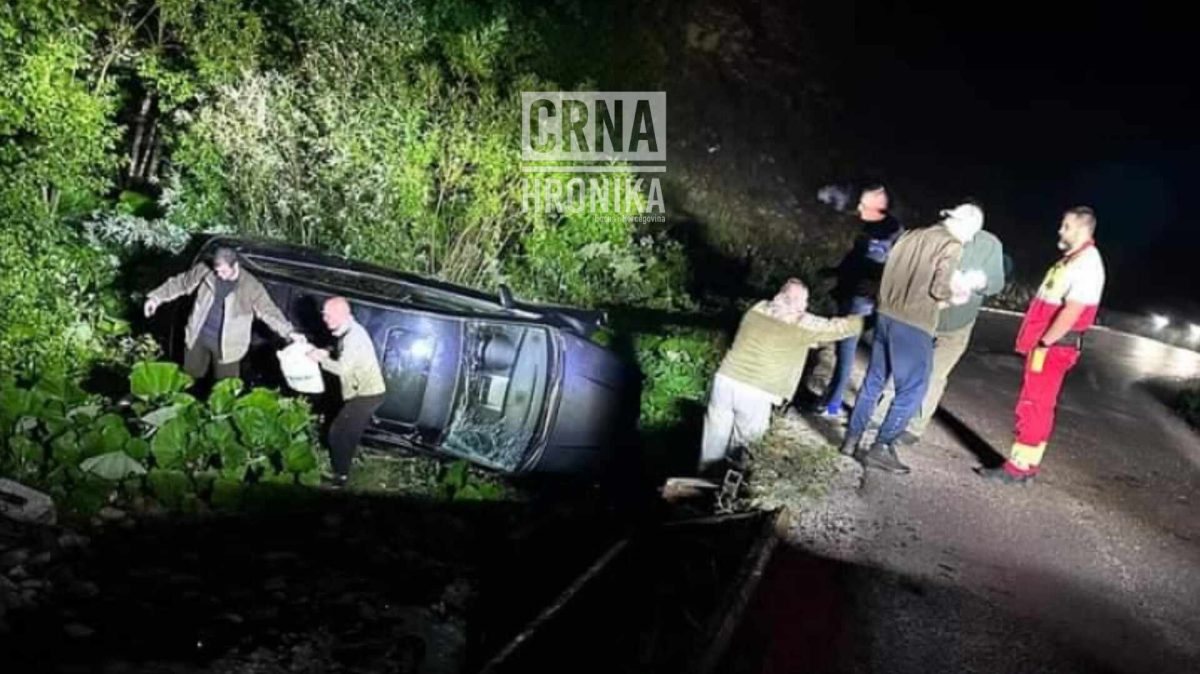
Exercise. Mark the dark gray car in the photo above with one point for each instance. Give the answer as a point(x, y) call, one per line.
point(515, 387)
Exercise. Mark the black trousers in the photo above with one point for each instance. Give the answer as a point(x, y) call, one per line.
point(197, 359)
point(347, 428)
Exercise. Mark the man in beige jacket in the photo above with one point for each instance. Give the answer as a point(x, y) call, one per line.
point(357, 368)
point(763, 368)
point(228, 299)
point(916, 285)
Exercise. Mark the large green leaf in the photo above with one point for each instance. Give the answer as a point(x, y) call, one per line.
point(216, 434)
point(233, 459)
point(18, 402)
point(61, 389)
point(161, 415)
point(109, 420)
point(258, 429)
point(65, 448)
point(224, 395)
point(299, 458)
point(113, 438)
point(169, 443)
point(112, 466)
point(138, 448)
point(152, 381)
point(25, 450)
point(169, 487)
point(294, 417)
point(84, 412)
point(90, 443)
point(260, 398)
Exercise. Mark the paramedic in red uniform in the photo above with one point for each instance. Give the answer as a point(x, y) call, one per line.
point(1050, 338)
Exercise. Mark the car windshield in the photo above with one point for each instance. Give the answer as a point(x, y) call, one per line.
point(371, 284)
point(501, 395)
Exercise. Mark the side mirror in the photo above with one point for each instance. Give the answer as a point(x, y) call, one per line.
point(506, 297)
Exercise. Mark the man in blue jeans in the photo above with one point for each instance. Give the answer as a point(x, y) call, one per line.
point(858, 278)
point(917, 282)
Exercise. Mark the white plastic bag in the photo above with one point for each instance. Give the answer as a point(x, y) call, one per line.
point(301, 372)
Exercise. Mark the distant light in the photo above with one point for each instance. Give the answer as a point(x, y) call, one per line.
point(422, 348)
point(1159, 321)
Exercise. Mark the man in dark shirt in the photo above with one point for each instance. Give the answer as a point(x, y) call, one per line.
point(858, 278)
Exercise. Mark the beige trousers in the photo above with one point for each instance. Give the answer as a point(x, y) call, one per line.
point(738, 414)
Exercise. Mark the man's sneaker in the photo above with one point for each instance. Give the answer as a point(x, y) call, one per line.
point(335, 481)
point(907, 439)
point(824, 410)
point(1003, 475)
point(850, 445)
point(884, 458)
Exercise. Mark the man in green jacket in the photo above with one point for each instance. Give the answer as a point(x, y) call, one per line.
point(916, 285)
point(357, 368)
point(763, 368)
point(228, 299)
point(980, 275)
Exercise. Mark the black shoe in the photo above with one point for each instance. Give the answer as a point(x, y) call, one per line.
point(1000, 474)
point(335, 481)
point(907, 439)
point(850, 445)
point(884, 457)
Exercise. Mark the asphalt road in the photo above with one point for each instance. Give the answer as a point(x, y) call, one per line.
point(1096, 567)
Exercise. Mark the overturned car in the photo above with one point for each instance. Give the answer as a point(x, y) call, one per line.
point(519, 388)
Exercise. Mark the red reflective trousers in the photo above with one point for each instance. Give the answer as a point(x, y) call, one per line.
point(1045, 369)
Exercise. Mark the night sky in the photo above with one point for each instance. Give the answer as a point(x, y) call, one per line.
point(1034, 107)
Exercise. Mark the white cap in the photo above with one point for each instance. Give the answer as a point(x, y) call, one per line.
point(963, 221)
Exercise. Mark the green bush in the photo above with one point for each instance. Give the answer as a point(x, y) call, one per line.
point(678, 367)
point(86, 451)
point(392, 138)
point(381, 130)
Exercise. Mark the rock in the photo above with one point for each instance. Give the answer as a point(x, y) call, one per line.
point(18, 573)
point(22, 504)
point(111, 514)
point(275, 584)
point(41, 559)
point(85, 589)
point(13, 558)
point(78, 631)
point(70, 540)
point(32, 584)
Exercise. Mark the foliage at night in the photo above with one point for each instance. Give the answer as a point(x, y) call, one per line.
point(380, 130)
point(166, 445)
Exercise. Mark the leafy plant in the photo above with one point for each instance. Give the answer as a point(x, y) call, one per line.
point(176, 448)
point(678, 367)
point(458, 481)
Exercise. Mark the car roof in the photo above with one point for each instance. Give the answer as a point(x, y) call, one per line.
point(305, 266)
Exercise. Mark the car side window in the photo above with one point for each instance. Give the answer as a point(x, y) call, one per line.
point(406, 360)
